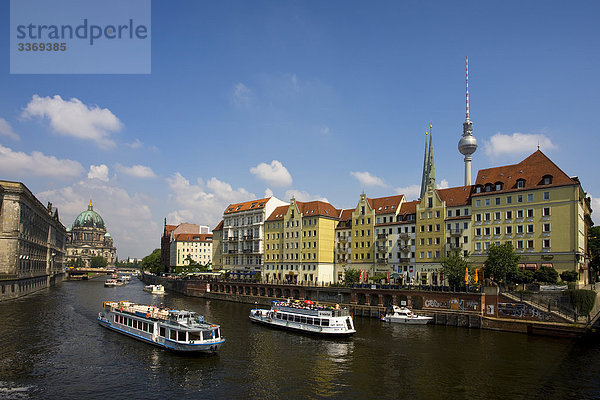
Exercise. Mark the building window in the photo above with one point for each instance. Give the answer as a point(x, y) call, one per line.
point(509, 215)
point(530, 197)
point(530, 213)
point(530, 244)
point(487, 231)
point(497, 230)
point(546, 212)
point(478, 217)
point(487, 216)
point(546, 243)
point(477, 231)
point(478, 246)
point(546, 227)
point(509, 230)
point(546, 195)
point(477, 202)
point(519, 214)
point(497, 200)
point(519, 229)
point(508, 199)
point(520, 198)
point(519, 244)
point(520, 183)
point(497, 216)
point(530, 228)
point(487, 202)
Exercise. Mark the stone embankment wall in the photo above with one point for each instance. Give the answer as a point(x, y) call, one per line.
point(487, 310)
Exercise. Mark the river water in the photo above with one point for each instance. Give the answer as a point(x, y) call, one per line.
point(51, 347)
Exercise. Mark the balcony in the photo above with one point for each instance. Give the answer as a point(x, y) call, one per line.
point(234, 251)
point(248, 237)
point(404, 235)
point(233, 238)
point(382, 236)
point(342, 239)
point(456, 232)
point(405, 248)
point(404, 259)
point(453, 246)
point(382, 261)
point(246, 251)
point(381, 248)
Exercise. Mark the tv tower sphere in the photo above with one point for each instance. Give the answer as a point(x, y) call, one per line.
point(467, 143)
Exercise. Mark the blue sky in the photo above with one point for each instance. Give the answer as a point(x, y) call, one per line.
point(320, 100)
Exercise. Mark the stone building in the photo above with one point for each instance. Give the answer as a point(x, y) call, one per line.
point(32, 242)
point(88, 238)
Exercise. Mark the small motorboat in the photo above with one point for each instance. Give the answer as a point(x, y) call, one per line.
point(403, 315)
point(155, 289)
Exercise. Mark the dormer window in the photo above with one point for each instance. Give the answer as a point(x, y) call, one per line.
point(478, 189)
point(547, 179)
point(488, 187)
point(499, 186)
point(520, 183)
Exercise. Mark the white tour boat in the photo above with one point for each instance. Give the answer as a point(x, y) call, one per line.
point(110, 283)
point(306, 317)
point(403, 315)
point(155, 289)
point(172, 329)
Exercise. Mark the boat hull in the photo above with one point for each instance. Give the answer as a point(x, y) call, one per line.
point(408, 321)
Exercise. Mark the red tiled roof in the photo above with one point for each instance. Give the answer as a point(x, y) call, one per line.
point(248, 205)
point(455, 196)
point(532, 169)
point(346, 214)
point(278, 213)
point(191, 237)
point(409, 207)
point(219, 227)
point(461, 217)
point(385, 205)
point(170, 228)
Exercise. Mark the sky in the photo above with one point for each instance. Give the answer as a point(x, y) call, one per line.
point(316, 100)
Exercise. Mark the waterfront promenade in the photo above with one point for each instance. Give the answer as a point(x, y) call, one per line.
point(484, 309)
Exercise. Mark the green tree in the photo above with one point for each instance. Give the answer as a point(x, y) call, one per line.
point(520, 275)
point(98, 262)
point(546, 275)
point(583, 300)
point(502, 262)
point(594, 249)
point(569, 276)
point(152, 262)
point(351, 276)
point(75, 263)
point(453, 268)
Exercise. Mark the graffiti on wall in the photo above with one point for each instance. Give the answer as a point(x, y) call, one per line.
point(520, 310)
point(453, 304)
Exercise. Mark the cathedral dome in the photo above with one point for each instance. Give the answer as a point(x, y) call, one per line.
point(89, 219)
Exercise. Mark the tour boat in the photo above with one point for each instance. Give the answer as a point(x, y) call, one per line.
point(403, 315)
point(306, 317)
point(177, 330)
point(110, 283)
point(155, 289)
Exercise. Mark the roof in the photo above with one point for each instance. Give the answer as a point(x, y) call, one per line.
point(193, 237)
point(455, 196)
point(532, 169)
point(170, 228)
point(308, 209)
point(248, 205)
point(385, 205)
point(345, 219)
point(409, 207)
point(219, 227)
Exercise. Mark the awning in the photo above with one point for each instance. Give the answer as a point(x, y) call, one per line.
point(530, 266)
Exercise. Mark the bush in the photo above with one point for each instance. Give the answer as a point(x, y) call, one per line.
point(546, 275)
point(569, 276)
point(583, 300)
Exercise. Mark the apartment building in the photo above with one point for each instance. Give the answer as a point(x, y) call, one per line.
point(188, 248)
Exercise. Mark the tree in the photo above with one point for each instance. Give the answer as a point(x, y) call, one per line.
point(546, 275)
point(351, 276)
point(98, 262)
point(152, 262)
point(75, 263)
point(453, 268)
point(569, 276)
point(502, 262)
point(520, 275)
point(594, 249)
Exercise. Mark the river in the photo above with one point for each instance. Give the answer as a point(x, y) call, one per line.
point(53, 348)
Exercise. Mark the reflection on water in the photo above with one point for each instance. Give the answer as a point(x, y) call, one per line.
point(52, 347)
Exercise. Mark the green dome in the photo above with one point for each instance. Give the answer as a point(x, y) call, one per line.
point(89, 219)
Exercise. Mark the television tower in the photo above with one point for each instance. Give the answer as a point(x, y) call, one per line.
point(467, 144)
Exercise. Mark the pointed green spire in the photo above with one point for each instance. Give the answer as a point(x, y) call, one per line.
point(425, 170)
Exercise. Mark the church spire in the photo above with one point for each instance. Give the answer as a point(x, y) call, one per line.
point(90, 206)
point(425, 173)
point(431, 165)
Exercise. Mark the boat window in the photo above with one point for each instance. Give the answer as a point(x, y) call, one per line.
point(161, 332)
point(317, 321)
point(284, 317)
point(182, 336)
point(195, 335)
point(172, 334)
point(151, 328)
point(309, 320)
point(324, 322)
point(297, 318)
point(303, 319)
point(130, 322)
point(218, 333)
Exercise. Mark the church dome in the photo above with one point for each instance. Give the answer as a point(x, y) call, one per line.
point(89, 219)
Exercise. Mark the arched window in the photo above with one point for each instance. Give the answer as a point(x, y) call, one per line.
point(488, 187)
point(520, 183)
point(547, 180)
point(499, 186)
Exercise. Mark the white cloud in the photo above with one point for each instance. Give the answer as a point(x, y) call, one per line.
point(136, 144)
point(99, 172)
point(410, 192)
point(517, 143)
point(325, 130)
point(6, 130)
point(202, 203)
point(19, 164)
point(74, 119)
point(301, 195)
point(136, 171)
point(275, 173)
point(366, 179)
point(268, 193)
point(241, 94)
point(443, 184)
point(596, 210)
point(127, 216)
